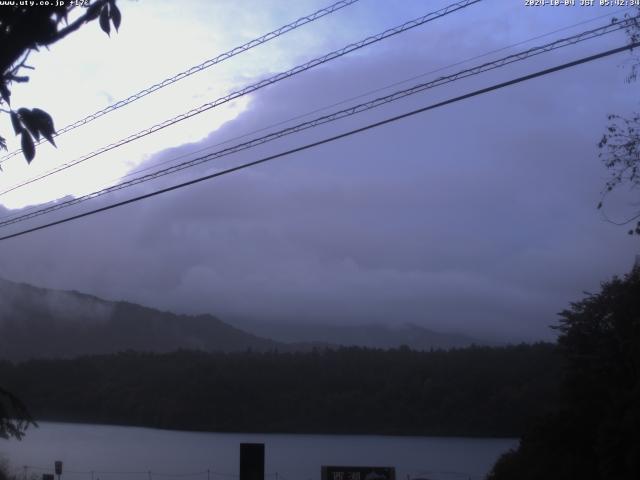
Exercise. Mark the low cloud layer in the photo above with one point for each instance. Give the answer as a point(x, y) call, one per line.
point(477, 218)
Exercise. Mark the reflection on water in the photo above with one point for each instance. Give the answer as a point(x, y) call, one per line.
point(96, 452)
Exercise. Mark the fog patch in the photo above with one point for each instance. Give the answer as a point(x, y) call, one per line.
point(65, 307)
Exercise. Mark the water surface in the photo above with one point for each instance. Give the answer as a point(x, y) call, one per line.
point(102, 452)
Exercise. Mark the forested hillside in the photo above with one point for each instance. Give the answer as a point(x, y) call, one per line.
point(39, 322)
point(477, 391)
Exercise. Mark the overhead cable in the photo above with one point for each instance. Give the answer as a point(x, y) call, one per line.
point(356, 109)
point(198, 68)
point(257, 86)
point(330, 139)
point(367, 94)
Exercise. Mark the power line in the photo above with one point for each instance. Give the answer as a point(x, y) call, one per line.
point(137, 472)
point(192, 474)
point(198, 68)
point(356, 109)
point(342, 102)
point(362, 95)
point(454, 7)
point(334, 7)
point(376, 90)
point(332, 138)
point(371, 92)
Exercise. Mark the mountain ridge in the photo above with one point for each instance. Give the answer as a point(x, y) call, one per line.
point(374, 335)
point(37, 322)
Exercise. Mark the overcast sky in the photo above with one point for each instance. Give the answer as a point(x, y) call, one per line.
point(477, 218)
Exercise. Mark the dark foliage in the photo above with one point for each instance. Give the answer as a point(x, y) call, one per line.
point(473, 392)
point(4, 470)
point(25, 28)
point(14, 417)
point(620, 152)
point(620, 145)
point(596, 435)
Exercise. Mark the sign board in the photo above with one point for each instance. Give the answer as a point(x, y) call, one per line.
point(358, 473)
point(252, 461)
point(58, 465)
point(47, 476)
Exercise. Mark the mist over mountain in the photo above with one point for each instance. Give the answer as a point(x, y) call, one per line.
point(43, 323)
point(38, 322)
point(371, 335)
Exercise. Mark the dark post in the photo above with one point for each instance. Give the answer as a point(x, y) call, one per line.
point(58, 467)
point(252, 461)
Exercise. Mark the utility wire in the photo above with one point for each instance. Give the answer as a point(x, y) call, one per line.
point(334, 7)
point(138, 472)
point(349, 133)
point(454, 7)
point(193, 474)
point(370, 92)
point(347, 100)
point(363, 95)
point(198, 68)
point(362, 107)
point(33, 467)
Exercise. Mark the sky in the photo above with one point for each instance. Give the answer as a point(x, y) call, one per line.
point(478, 218)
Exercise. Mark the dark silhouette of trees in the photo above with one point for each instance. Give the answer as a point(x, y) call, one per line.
point(14, 417)
point(476, 391)
point(620, 145)
point(596, 435)
point(25, 28)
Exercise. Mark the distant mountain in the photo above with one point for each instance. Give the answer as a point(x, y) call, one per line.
point(373, 335)
point(43, 323)
point(38, 322)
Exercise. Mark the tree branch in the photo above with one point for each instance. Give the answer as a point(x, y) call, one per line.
point(72, 27)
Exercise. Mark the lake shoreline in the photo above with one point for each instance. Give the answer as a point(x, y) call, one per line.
point(141, 453)
point(275, 432)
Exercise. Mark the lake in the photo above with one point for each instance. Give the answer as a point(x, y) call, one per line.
point(99, 452)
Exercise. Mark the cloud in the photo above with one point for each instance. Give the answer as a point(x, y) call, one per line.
point(477, 218)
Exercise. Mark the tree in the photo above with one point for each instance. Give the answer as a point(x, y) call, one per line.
point(620, 145)
point(14, 417)
point(24, 29)
point(596, 435)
